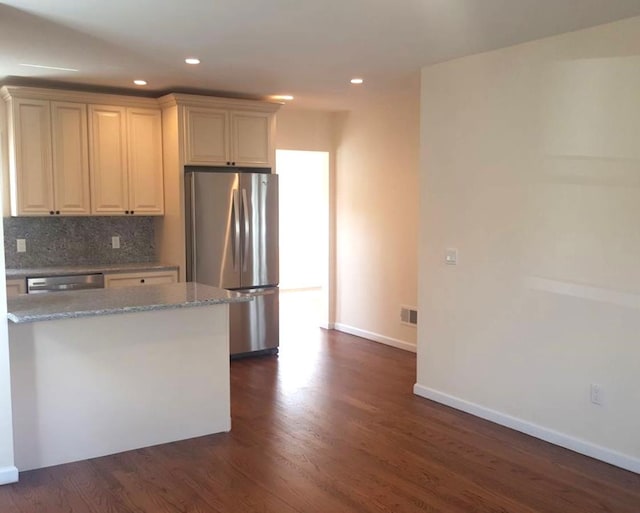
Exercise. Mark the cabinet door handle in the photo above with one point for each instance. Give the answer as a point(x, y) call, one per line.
point(132, 212)
point(141, 280)
point(233, 163)
point(50, 212)
point(57, 212)
point(126, 212)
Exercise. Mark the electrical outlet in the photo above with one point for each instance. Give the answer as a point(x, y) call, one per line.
point(21, 245)
point(115, 242)
point(597, 394)
point(451, 256)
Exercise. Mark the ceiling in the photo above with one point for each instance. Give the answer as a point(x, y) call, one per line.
point(254, 48)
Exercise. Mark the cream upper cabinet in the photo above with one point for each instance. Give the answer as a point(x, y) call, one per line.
point(31, 167)
point(108, 159)
point(221, 137)
point(251, 138)
point(126, 160)
point(49, 164)
point(146, 185)
point(70, 158)
point(207, 136)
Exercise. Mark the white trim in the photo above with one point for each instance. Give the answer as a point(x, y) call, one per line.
point(168, 100)
point(194, 100)
point(327, 325)
point(8, 475)
point(393, 342)
point(37, 93)
point(563, 440)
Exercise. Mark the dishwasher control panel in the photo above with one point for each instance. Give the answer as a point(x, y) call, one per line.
point(64, 283)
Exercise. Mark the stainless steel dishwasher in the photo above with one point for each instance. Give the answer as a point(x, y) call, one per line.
point(46, 284)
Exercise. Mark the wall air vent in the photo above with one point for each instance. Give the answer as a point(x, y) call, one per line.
point(408, 315)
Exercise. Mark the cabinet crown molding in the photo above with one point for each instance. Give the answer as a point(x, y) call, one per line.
point(8, 92)
point(194, 100)
point(38, 93)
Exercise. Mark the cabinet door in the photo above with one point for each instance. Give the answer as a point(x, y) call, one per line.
point(206, 136)
point(146, 183)
point(31, 168)
point(108, 159)
point(112, 281)
point(70, 158)
point(251, 138)
point(16, 287)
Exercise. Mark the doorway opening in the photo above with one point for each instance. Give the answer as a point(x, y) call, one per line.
point(304, 242)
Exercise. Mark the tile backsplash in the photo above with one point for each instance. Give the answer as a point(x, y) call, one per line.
point(55, 241)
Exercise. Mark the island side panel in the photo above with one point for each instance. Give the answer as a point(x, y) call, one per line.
point(89, 387)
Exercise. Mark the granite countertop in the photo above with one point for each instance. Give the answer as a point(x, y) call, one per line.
point(86, 303)
point(37, 272)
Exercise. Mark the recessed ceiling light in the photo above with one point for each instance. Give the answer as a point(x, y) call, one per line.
point(192, 60)
point(140, 82)
point(282, 97)
point(357, 81)
point(42, 66)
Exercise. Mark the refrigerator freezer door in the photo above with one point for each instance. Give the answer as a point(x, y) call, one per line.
point(254, 326)
point(259, 198)
point(214, 225)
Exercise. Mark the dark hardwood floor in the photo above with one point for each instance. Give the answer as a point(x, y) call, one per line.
point(332, 426)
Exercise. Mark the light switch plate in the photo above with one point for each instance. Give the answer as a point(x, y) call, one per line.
point(451, 256)
point(115, 242)
point(21, 245)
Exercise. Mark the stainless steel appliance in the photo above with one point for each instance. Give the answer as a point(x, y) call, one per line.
point(64, 283)
point(232, 243)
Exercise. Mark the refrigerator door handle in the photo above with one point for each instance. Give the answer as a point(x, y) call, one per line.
point(245, 215)
point(236, 229)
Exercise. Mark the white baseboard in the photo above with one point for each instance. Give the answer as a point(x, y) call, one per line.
point(563, 440)
point(8, 475)
point(393, 342)
point(327, 325)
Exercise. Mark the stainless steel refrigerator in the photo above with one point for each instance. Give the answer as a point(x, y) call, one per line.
point(232, 243)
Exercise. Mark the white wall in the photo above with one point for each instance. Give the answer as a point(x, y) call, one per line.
point(8, 472)
point(531, 168)
point(377, 215)
point(304, 130)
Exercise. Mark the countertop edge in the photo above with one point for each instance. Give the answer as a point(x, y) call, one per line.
point(26, 319)
point(97, 302)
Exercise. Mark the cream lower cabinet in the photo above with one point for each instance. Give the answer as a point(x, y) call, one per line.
point(126, 160)
point(139, 278)
point(227, 137)
point(16, 287)
point(49, 167)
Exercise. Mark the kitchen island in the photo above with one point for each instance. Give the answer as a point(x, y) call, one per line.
point(97, 372)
